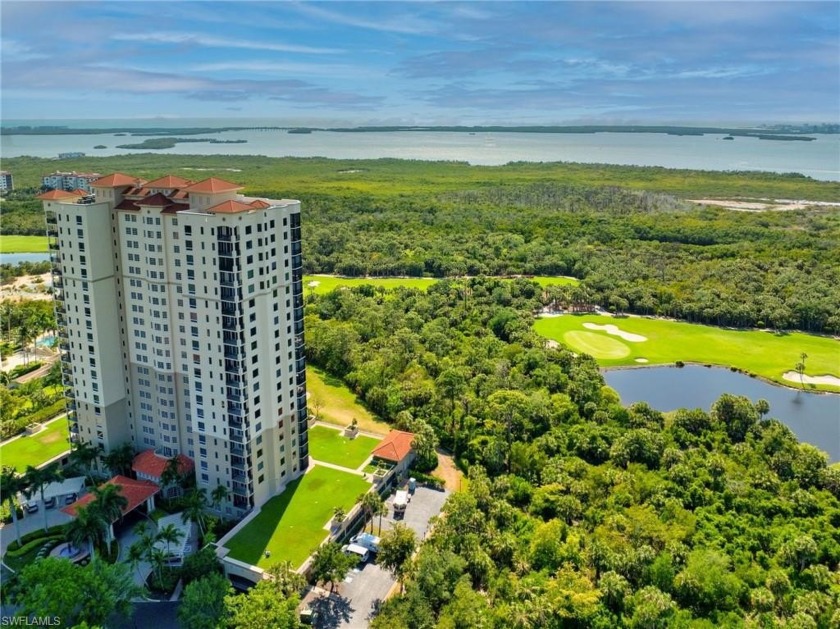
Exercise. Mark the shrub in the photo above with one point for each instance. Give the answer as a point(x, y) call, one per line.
point(53, 531)
point(428, 480)
point(32, 544)
point(24, 369)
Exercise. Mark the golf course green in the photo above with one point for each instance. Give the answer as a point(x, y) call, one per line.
point(622, 341)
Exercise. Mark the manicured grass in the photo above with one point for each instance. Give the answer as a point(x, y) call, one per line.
point(330, 445)
point(291, 526)
point(23, 244)
point(38, 448)
point(334, 403)
point(544, 280)
point(321, 284)
point(596, 345)
point(765, 354)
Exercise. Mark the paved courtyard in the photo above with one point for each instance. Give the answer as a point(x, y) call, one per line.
point(356, 599)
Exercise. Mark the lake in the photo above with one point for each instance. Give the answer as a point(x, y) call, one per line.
point(819, 159)
point(813, 417)
point(17, 258)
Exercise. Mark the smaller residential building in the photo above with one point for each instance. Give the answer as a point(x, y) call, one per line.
point(6, 181)
point(149, 465)
point(70, 181)
point(70, 155)
point(396, 450)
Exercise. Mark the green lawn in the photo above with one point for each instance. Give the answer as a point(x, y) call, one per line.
point(325, 283)
point(330, 445)
point(23, 244)
point(763, 353)
point(291, 525)
point(38, 448)
point(334, 403)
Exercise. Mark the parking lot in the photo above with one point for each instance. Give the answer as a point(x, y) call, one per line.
point(364, 588)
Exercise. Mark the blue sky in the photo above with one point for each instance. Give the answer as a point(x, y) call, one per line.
point(423, 63)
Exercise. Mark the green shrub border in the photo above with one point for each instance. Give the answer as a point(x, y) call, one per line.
point(51, 532)
point(31, 545)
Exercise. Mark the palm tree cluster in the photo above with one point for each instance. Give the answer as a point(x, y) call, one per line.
point(93, 523)
point(148, 547)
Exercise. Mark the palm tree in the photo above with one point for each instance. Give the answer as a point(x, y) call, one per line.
point(171, 474)
point(11, 484)
point(38, 478)
point(136, 554)
point(370, 503)
point(170, 535)
point(109, 501)
point(85, 455)
point(119, 459)
point(157, 558)
point(288, 581)
point(195, 504)
point(219, 495)
point(381, 509)
point(87, 528)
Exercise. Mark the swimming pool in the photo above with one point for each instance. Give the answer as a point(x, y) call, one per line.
point(46, 341)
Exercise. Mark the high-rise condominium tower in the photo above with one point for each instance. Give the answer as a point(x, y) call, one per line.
point(180, 313)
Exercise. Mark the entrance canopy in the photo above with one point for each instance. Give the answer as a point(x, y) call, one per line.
point(135, 491)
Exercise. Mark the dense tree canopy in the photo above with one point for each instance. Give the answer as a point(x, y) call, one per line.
point(579, 511)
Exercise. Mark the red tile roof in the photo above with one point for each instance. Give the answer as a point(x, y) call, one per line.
point(169, 182)
point(117, 180)
point(152, 464)
point(153, 200)
point(135, 491)
point(57, 195)
point(395, 447)
point(126, 204)
point(172, 208)
point(212, 186)
point(259, 204)
point(230, 207)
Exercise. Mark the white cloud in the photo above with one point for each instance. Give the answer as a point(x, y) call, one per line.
point(218, 42)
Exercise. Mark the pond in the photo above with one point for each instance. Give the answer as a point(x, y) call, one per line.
point(813, 417)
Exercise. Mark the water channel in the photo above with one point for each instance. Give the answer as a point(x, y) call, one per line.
point(813, 417)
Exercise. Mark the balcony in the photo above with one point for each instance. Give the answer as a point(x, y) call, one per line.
point(229, 280)
point(230, 308)
point(233, 352)
point(239, 450)
point(58, 282)
point(51, 219)
point(53, 246)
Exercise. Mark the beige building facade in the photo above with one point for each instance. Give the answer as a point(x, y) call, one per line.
point(180, 310)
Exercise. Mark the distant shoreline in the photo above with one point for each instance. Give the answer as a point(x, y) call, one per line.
point(783, 134)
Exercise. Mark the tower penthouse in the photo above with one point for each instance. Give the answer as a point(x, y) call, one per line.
point(180, 313)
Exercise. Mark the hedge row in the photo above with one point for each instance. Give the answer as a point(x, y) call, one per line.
point(17, 426)
point(35, 543)
point(51, 532)
point(24, 369)
point(427, 479)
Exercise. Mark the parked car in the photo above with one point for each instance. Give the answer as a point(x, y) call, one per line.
point(358, 551)
point(366, 540)
point(32, 507)
point(49, 503)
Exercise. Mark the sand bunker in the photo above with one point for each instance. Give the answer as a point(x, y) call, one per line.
point(612, 329)
point(792, 376)
point(313, 283)
point(641, 360)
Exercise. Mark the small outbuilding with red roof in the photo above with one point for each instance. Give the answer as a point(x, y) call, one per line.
point(396, 449)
